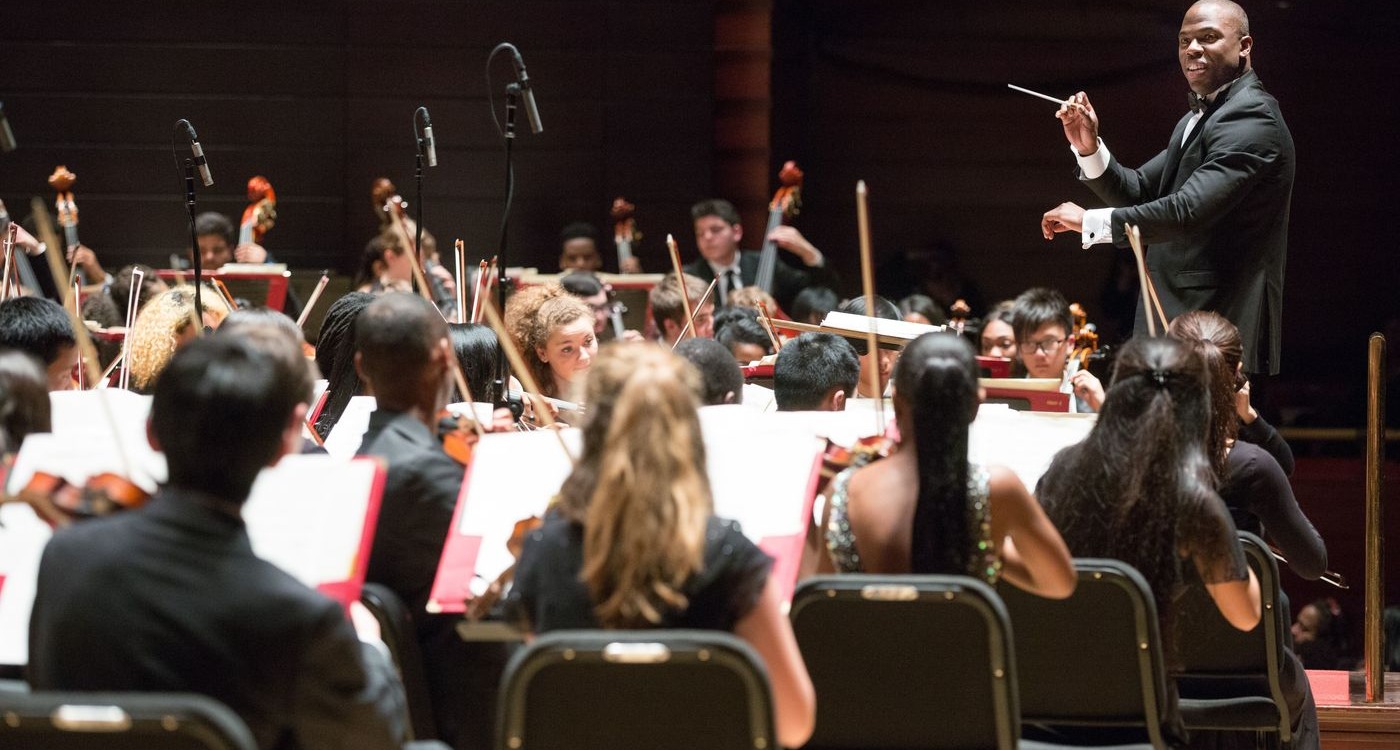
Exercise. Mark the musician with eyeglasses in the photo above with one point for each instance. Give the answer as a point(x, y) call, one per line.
point(1042, 324)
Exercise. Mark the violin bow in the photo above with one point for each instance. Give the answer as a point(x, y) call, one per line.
point(766, 320)
point(315, 295)
point(459, 250)
point(1149, 290)
point(401, 230)
point(527, 379)
point(698, 307)
point(867, 274)
point(463, 388)
point(680, 277)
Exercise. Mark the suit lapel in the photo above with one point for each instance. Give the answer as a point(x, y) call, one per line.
point(748, 267)
point(1174, 150)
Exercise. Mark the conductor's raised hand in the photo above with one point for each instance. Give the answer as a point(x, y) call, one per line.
point(1066, 217)
point(1081, 123)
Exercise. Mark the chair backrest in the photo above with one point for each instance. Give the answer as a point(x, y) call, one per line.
point(655, 689)
point(119, 721)
point(907, 662)
point(1095, 658)
point(397, 632)
point(1216, 657)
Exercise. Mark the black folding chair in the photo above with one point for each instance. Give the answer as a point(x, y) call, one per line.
point(1230, 679)
point(396, 630)
point(662, 689)
point(907, 662)
point(1091, 665)
point(119, 721)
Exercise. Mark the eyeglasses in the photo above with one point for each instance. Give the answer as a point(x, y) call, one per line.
point(1044, 346)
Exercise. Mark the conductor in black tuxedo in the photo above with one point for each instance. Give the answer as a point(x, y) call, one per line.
point(170, 597)
point(717, 234)
point(1213, 206)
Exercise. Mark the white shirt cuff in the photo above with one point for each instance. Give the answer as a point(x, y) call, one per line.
point(1094, 165)
point(1098, 226)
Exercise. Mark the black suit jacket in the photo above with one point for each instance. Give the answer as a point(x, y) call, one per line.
point(172, 598)
point(415, 517)
point(787, 280)
point(1214, 216)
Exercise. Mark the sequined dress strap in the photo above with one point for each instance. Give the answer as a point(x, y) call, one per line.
point(840, 540)
point(984, 563)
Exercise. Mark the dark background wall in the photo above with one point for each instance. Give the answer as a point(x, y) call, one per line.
point(319, 97)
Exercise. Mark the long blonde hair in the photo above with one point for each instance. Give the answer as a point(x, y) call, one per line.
point(156, 333)
point(640, 489)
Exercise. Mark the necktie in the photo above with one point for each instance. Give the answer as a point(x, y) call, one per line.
point(733, 285)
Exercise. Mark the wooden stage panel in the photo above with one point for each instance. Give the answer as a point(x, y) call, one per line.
point(1346, 721)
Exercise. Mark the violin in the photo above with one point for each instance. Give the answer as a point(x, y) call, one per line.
point(1086, 337)
point(60, 503)
point(625, 234)
point(481, 605)
point(260, 214)
point(785, 204)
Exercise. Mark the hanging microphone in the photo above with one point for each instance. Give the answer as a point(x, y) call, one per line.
point(428, 145)
point(531, 111)
point(7, 136)
point(199, 160)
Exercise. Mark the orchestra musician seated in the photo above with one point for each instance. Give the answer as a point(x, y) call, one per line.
point(165, 324)
point(668, 308)
point(884, 359)
point(554, 332)
point(717, 235)
point(384, 266)
point(721, 380)
point(1044, 331)
point(753, 298)
point(920, 308)
point(815, 372)
point(276, 335)
point(632, 542)
point(335, 358)
point(998, 338)
point(214, 233)
point(928, 509)
point(40, 328)
point(578, 248)
point(171, 598)
point(477, 348)
point(107, 308)
point(1139, 489)
point(24, 401)
point(812, 304)
point(599, 296)
point(402, 356)
point(737, 329)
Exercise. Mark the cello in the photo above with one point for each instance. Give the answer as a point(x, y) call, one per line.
point(260, 214)
point(625, 235)
point(785, 204)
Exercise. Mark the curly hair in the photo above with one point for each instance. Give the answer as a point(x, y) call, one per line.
point(158, 330)
point(533, 314)
point(640, 489)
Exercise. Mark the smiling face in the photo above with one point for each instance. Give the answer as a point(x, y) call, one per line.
point(1213, 45)
point(569, 352)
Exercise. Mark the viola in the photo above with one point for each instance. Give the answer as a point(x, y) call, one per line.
point(61, 503)
point(785, 204)
point(481, 605)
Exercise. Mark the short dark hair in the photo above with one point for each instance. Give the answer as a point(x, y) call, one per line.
point(715, 207)
point(37, 326)
point(581, 283)
point(395, 337)
point(578, 230)
point(884, 309)
point(213, 222)
point(811, 366)
point(218, 412)
point(24, 399)
point(121, 287)
point(1036, 307)
point(719, 373)
point(739, 325)
point(275, 335)
point(814, 302)
point(922, 304)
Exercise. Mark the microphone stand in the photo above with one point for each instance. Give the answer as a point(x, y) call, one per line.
point(502, 367)
point(418, 214)
point(194, 241)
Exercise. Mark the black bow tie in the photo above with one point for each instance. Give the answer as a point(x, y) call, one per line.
point(1196, 102)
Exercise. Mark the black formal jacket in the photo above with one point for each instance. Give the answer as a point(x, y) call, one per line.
point(1214, 216)
point(787, 280)
point(172, 598)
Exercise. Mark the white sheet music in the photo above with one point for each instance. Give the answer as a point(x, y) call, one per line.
point(22, 543)
point(350, 429)
point(306, 515)
point(1024, 441)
